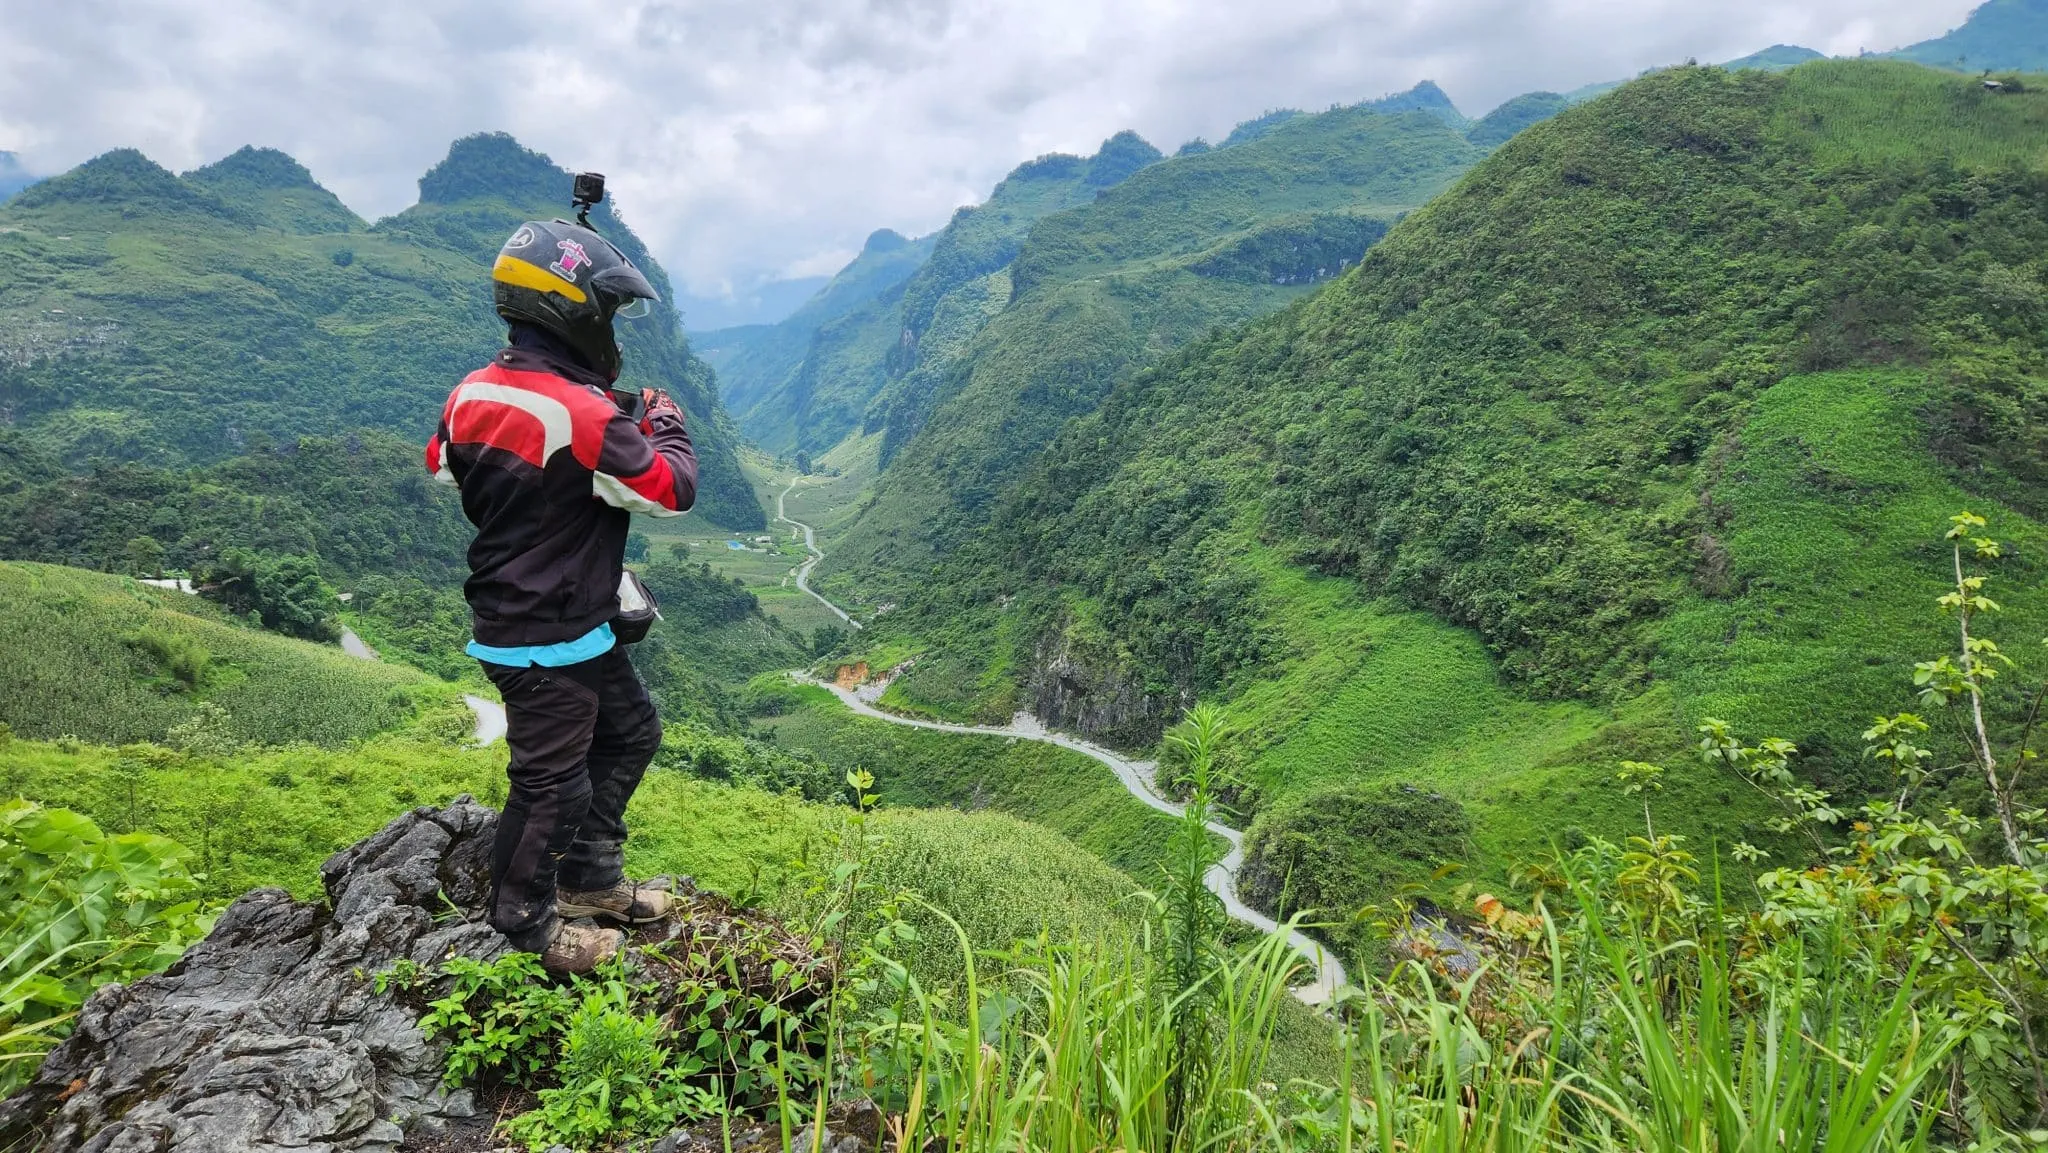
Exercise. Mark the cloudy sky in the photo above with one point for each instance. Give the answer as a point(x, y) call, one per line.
point(750, 139)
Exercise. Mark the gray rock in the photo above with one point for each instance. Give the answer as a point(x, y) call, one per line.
point(268, 1036)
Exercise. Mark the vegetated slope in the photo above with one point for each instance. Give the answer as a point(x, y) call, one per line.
point(256, 817)
point(104, 659)
point(1204, 239)
point(872, 368)
point(753, 359)
point(306, 497)
point(177, 321)
point(1601, 406)
point(1998, 34)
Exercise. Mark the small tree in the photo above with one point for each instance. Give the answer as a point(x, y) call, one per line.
point(145, 556)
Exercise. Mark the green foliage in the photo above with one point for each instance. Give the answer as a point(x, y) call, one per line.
point(875, 366)
point(104, 659)
point(285, 593)
point(1102, 289)
point(1503, 123)
point(754, 359)
point(303, 499)
point(406, 619)
point(81, 908)
point(502, 1018)
point(184, 658)
point(1060, 790)
point(1332, 854)
point(664, 1035)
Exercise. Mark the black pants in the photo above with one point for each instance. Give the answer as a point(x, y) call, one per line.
point(581, 738)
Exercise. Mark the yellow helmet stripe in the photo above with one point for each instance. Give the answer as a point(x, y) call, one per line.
point(523, 274)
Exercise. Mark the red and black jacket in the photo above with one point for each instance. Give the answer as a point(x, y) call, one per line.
point(550, 470)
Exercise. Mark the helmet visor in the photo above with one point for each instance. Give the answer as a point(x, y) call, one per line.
point(637, 308)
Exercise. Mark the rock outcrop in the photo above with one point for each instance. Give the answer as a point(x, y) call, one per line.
point(1096, 695)
point(269, 1035)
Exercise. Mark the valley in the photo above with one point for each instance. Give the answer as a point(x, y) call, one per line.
point(1394, 629)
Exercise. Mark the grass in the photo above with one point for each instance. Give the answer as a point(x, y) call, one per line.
point(78, 649)
point(1875, 111)
point(1060, 790)
point(261, 816)
point(1833, 508)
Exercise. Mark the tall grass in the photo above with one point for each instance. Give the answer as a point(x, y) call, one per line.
point(1073, 1048)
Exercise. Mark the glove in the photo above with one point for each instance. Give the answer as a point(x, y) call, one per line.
point(659, 405)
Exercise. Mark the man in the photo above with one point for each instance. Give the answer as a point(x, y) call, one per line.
point(551, 463)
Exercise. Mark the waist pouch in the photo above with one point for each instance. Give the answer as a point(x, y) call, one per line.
point(637, 610)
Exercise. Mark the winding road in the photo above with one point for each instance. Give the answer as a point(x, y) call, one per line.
point(490, 715)
point(803, 571)
point(1139, 778)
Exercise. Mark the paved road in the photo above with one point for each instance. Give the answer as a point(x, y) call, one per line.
point(1137, 777)
point(803, 572)
point(490, 715)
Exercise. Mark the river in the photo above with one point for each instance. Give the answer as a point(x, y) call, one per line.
point(1139, 778)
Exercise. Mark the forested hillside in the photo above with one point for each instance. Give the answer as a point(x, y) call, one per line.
point(1651, 416)
point(1204, 239)
point(176, 321)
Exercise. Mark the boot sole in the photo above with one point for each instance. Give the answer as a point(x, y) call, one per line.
point(572, 911)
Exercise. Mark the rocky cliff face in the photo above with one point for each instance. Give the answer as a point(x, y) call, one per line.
point(1081, 691)
point(268, 1035)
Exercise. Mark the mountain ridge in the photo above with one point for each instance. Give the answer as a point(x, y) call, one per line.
point(181, 319)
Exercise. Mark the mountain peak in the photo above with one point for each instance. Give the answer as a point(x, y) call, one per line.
point(252, 167)
point(885, 240)
point(1119, 157)
point(1775, 58)
point(1424, 97)
point(493, 165)
point(124, 176)
point(275, 189)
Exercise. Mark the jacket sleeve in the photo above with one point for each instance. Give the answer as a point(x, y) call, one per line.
point(437, 449)
point(647, 467)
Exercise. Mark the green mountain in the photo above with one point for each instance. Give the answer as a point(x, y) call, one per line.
point(1776, 58)
point(1503, 123)
point(179, 321)
point(1999, 34)
point(873, 368)
point(1201, 240)
point(752, 361)
point(1657, 415)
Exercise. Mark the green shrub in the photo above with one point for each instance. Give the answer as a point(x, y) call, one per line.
point(183, 657)
point(79, 908)
point(1334, 852)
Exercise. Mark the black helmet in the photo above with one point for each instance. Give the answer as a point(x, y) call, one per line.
point(570, 281)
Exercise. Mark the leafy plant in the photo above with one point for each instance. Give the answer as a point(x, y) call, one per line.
point(79, 908)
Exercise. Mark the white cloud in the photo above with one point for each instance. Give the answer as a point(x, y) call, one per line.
point(748, 138)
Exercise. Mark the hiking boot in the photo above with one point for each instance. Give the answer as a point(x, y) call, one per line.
point(628, 903)
point(580, 948)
